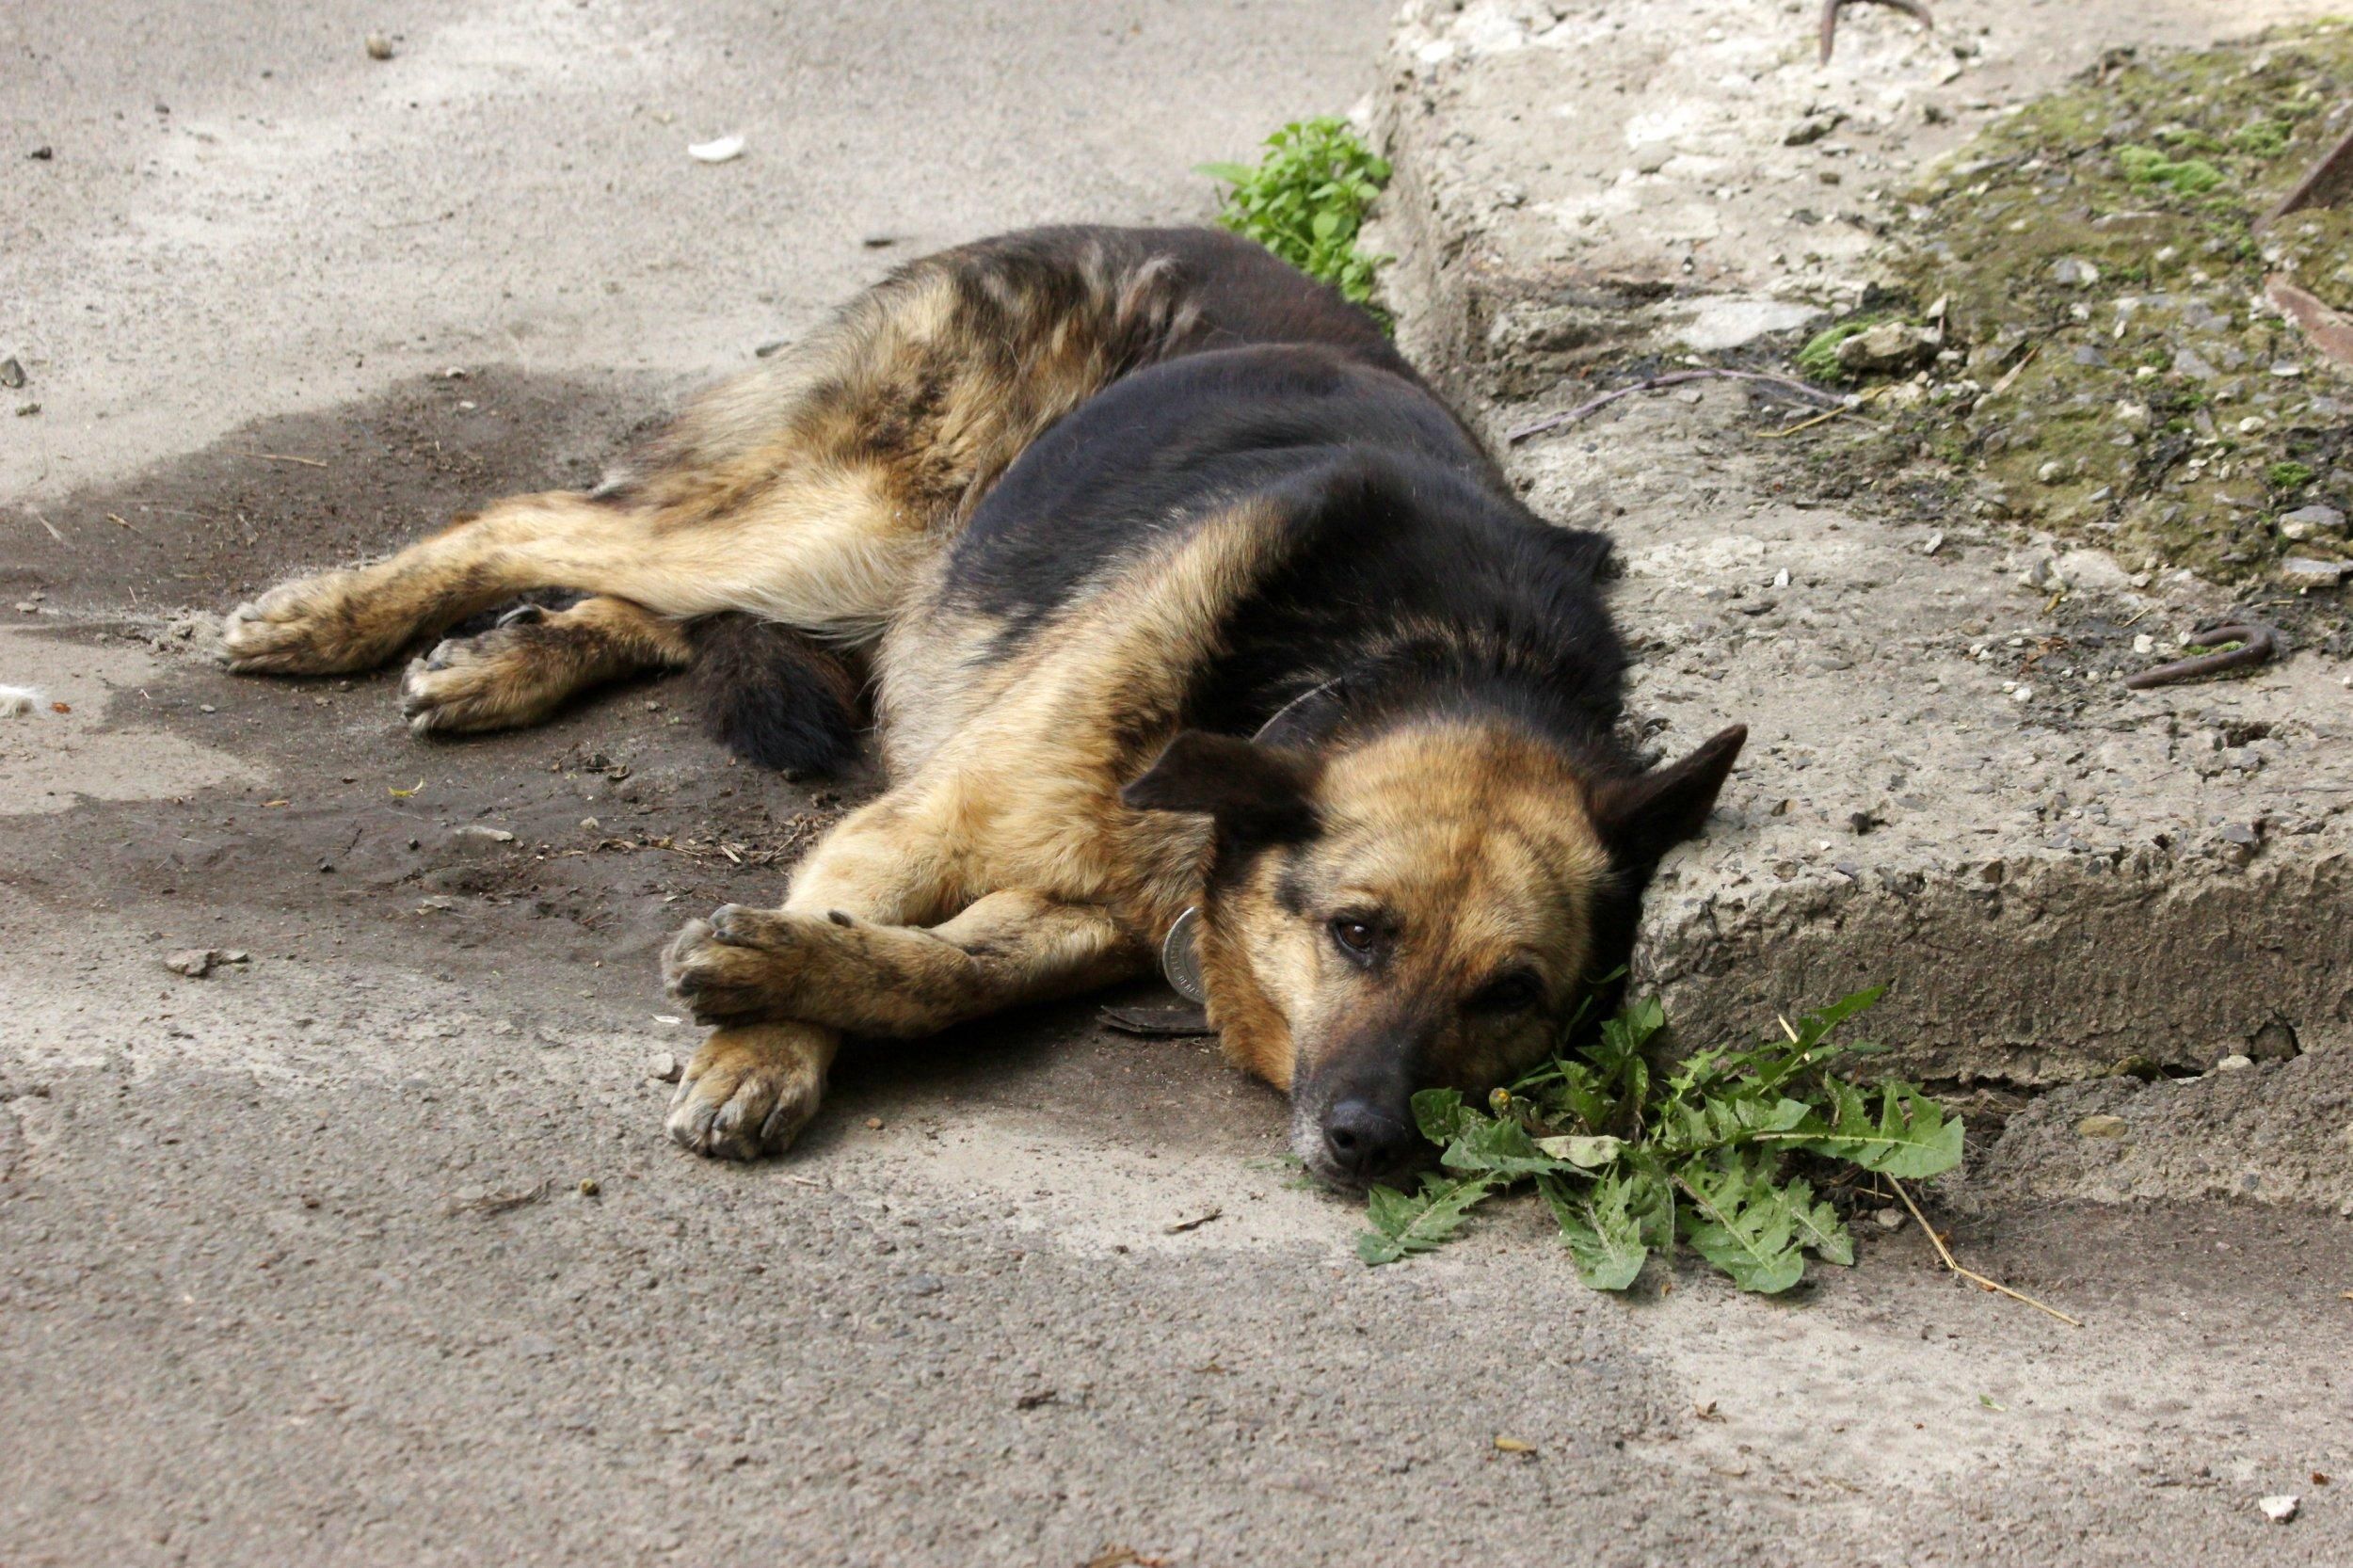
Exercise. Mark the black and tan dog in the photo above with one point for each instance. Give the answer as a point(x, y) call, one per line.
point(1181, 590)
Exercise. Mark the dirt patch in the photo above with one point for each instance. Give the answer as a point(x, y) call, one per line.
point(284, 495)
point(2109, 371)
point(315, 826)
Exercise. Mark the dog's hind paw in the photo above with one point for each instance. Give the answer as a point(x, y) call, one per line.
point(501, 679)
point(314, 626)
point(748, 1092)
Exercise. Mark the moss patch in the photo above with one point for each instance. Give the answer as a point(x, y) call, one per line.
point(1818, 359)
point(2097, 248)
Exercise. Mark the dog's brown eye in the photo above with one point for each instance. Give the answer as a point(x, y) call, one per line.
point(1357, 937)
point(1510, 993)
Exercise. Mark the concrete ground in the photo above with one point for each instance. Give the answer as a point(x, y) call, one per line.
point(296, 1260)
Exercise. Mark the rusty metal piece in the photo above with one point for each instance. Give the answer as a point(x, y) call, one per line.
point(2259, 646)
point(1916, 10)
point(2326, 184)
point(2331, 332)
point(1157, 1023)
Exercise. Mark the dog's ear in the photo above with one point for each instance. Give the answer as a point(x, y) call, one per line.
point(1642, 819)
point(1255, 793)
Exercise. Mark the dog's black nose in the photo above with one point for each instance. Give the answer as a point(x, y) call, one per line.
point(1364, 1141)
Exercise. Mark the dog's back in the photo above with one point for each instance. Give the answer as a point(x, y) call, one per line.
point(933, 387)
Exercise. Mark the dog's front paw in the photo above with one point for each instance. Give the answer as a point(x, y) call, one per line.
point(315, 626)
point(738, 963)
point(748, 1092)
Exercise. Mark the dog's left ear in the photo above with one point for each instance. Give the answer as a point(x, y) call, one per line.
point(1642, 819)
point(1255, 793)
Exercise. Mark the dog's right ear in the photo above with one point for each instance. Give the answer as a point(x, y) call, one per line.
point(1256, 794)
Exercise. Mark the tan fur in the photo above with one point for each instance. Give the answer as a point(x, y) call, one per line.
point(812, 490)
point(1476, 840)
point(523, 670)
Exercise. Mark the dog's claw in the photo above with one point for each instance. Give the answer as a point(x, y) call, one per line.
point(305, 627)
point(738, 963)
point(490, 681)
point(748, 1092)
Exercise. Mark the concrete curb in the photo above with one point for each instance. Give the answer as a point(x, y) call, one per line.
point(1947, 789)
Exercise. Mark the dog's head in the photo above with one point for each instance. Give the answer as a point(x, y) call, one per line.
point(1424, 907)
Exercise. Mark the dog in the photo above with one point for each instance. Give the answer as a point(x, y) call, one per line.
point(1193, 618)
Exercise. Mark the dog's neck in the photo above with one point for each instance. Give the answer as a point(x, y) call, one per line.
point(1455, 678)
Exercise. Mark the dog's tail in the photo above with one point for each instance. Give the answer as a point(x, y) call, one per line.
point(773, 696)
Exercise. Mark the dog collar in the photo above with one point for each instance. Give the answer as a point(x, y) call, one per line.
point(1275, 720)
point(1180, 957)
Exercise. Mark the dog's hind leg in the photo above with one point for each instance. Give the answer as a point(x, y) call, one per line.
point(526, 666)
point(896, 981)
point(810, 491)
point(356, 620)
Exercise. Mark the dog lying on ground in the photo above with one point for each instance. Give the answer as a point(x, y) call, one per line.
point(1181, 592)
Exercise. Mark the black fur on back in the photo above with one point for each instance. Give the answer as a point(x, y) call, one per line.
point(1410, 579)
point(775, 697)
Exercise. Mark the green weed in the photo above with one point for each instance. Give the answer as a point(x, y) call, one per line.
point(1631, 1163)
point(2146, 165)
point(1305, 200)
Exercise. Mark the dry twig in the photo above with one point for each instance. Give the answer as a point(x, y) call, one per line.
point(1970, 1274)
point(1594, 405)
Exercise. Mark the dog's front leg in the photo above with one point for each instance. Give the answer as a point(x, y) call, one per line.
point(751, 1088)
point(897, 981)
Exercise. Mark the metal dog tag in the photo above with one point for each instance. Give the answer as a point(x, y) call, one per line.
point(1180, 962)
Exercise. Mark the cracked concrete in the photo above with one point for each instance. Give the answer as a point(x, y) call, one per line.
point(1947, 789)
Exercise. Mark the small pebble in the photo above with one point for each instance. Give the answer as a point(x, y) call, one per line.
point(379, 47)
point(1888, 1219)
point(2279, 1510)
point(2103, 1126)
point(196, 963)
point(2235, 1063)
point(588, 1188)
point(663, 1068)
